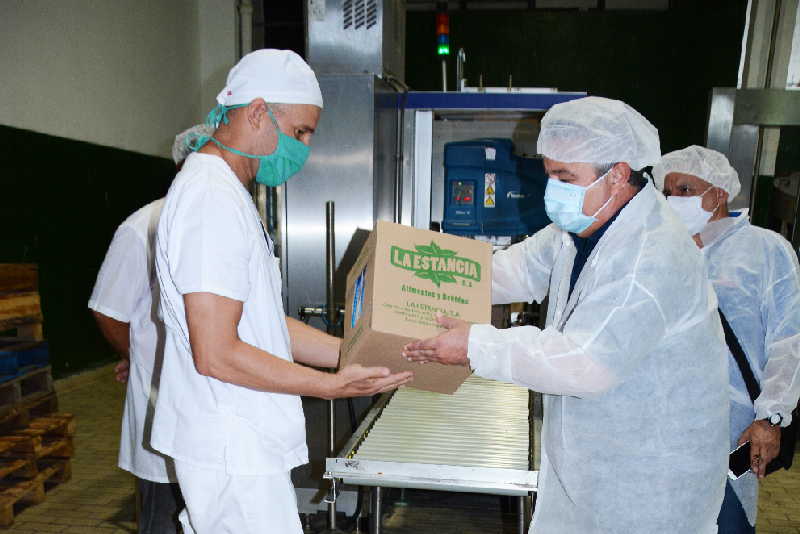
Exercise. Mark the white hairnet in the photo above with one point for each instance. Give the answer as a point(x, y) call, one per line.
point(181, 147)
point(598, 130)
point(706, 164)
point(277, 76)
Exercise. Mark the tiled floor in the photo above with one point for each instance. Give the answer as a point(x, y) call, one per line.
point(779, 502)
point(100, 497)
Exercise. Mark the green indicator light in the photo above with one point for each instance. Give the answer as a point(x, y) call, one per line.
point(444, 50)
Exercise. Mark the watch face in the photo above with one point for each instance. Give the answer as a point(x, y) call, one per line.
point(775, 419)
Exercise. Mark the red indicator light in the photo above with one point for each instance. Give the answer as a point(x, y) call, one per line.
point(442, 23)
point(467, 199)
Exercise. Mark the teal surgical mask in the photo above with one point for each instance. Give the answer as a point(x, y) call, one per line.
point(563, 203)
point(273, 169)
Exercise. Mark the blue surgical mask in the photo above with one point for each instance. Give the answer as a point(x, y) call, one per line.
point(273, 169)
point(563, 203)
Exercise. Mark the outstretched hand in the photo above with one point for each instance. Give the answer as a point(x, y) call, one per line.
point(358, 381)
point(449, 347)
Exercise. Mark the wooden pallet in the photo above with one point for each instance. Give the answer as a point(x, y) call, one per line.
point(20, 415)
point(20, 306)
point(33, 459)
point(29, 385)
point(32, 491)
point(49, 436)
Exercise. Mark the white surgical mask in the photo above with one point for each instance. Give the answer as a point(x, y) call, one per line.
point(563, 203)
point(690, 211)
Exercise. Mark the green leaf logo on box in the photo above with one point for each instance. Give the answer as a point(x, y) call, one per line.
point(430, 262)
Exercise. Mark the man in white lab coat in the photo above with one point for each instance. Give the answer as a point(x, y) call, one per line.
point(229, 411)
point(632, 360)
point(125, 305)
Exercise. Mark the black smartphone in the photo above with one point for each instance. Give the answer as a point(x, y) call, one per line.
point(739, 461)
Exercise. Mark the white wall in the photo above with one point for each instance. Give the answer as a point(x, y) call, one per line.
point(123, 73)
point(216, 47)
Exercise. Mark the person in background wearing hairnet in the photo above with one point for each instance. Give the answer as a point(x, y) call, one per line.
point(228, 410)
point(632, 361)
point(757, 280)
point(125, 305)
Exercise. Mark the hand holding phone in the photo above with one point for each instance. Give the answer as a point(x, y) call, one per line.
point(739, 461)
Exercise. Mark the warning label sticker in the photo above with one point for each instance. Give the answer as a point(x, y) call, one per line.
point(489, 187)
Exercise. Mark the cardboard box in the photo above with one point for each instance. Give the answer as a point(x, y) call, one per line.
point(401, 278)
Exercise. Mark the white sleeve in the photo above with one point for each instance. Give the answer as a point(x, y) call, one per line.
point(123, 278)
point(596, 350)
point(521, 273)
point(208, 245)
point(541, 360)
point(780, 383)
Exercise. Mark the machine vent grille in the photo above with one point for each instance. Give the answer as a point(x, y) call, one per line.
point(372, 13)
point(347, 14)
point(359, 14)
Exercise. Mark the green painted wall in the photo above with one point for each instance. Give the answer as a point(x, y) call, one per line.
point(663, 63)
point(62, 202)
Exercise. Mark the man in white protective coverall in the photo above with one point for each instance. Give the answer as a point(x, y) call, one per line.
point(228, 411)
point(125, 305)
point(756, 277)
point(632, 361)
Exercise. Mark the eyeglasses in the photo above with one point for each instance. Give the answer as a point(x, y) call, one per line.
point(684, 190)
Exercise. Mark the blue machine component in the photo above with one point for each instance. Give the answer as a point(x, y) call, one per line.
point(484, 101)
point(490, 191)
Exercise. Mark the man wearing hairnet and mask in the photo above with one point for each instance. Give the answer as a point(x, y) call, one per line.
point(228, 411)
point(757, 281)
point(631, 362)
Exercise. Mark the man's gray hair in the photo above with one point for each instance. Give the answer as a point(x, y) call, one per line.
point(602, 168)
point(637, 178)
point(182, 146)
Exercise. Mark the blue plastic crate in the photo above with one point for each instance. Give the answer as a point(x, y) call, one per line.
point(16, 354)
point(9, 363)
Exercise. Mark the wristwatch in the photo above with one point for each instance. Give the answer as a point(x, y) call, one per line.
point(774, 420)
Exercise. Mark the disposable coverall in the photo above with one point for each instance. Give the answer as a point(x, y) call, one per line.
point(757, 280)
point(634, 371)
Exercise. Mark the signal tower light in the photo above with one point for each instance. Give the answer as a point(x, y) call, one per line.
point(443, 34)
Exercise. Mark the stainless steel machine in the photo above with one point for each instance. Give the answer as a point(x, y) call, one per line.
point(737, 118)
point(353, 47)
point(377, 155)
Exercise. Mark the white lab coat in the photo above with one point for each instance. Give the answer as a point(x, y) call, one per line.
point(756, 277)
point(126, 290)
point(210, 239)
point(633, 366)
